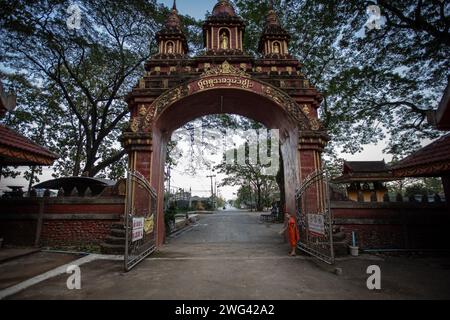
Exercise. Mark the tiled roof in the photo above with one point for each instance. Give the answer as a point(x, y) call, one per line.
point(431, 160)
point(365, 166)
point(15, 149)
point(365, 171)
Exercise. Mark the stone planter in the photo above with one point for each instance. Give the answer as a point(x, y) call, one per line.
point(354, 251)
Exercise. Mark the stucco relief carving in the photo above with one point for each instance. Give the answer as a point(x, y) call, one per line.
point(146, 115)
point(225, 68)
point(141, 123)
point(300, 114)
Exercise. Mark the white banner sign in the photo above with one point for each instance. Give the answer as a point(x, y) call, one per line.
point(316, 224)
point(138, 229)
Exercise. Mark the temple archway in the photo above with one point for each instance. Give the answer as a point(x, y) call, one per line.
point(177, 89)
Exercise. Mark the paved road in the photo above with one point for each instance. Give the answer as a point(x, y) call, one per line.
point(230, 255)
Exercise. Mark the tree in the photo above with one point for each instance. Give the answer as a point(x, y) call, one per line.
point(84, 72)
point(376, 83)
point(244, 196)
point(203, 136)
point(251, 170)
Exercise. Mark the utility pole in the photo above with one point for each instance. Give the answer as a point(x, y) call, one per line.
point(212, 188)
point(168, 196)
point(215, 193)
point(190, 197)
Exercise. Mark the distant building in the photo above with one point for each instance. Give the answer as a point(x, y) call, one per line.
point(365, 180)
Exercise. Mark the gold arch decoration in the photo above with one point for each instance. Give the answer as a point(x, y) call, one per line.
point(147, 115)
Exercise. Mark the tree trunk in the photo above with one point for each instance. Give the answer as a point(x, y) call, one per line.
point(258, 201)
point(77, 165)
point(30, 184)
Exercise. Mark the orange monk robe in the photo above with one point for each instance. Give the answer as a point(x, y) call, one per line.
point(294, 235)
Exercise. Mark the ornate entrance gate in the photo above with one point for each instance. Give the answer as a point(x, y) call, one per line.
point(140, 219)
point(314, 217)
point(222, 79)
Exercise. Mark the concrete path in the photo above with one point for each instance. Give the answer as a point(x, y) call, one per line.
point(231, 255)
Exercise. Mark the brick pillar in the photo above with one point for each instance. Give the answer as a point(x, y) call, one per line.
point(310, 148)
point(139, 149)
point(144, 156)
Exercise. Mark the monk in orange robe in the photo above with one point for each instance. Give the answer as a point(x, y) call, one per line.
point(293, 234)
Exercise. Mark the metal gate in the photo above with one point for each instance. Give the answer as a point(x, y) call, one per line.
point(314, 217)
point(140, 219)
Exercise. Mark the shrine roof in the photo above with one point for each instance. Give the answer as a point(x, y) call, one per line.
point(431, 160)
point(364, 166)
point(224, 8)
point(365, 171)
point(17, 150)
point(224, 12)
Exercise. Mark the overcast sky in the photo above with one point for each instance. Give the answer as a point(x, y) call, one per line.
point(200, 184)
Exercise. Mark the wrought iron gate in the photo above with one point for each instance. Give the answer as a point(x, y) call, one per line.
point(314, 217)
point(140, 219)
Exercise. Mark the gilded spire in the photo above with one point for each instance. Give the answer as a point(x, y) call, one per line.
point(272, 18)
point(173, 20)
point(274, 39)
point(223, 7)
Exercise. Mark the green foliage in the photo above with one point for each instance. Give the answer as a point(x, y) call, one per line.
point(415, 186)
point(169, 216)
point(211, 129)
point(220, 202)
point(71, 84)
point(244, 197)
point(376, 83)
point(79, 77)
point(415, 189)
point(252, 173)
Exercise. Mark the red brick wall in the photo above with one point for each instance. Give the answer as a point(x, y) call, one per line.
point(67, 221)
point(74, 232)
point(394, 225)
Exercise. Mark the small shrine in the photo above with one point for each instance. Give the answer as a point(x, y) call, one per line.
point(365, 180)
